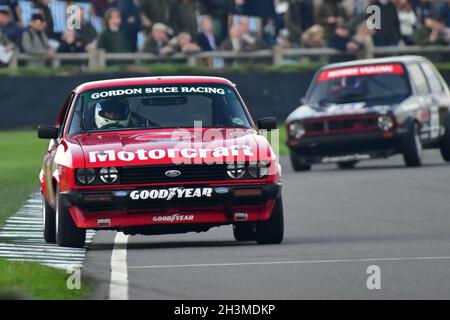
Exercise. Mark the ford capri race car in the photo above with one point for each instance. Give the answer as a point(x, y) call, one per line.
point(370, 109)
point(159, 156)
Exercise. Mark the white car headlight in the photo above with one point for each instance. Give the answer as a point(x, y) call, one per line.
point(109, 175)
point(385, 122)
point(296, 130)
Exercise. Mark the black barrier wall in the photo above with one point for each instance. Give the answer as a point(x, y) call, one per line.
point(29, 101)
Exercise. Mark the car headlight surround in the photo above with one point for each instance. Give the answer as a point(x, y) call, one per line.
point(236, 170)
point(109, 175)
point(86, 175)
point(385, 122)
point(296, 130)
point(258, 169)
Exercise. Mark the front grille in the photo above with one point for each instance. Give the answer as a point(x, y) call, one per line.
point(189, 172)
point(336, 125)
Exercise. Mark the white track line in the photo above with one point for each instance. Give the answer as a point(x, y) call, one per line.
point(118, 288)
point(284, 262)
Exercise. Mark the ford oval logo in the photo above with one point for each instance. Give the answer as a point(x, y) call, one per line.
point(172, 173)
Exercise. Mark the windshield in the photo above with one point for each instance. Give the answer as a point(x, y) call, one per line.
point(153, 107)
point(373, 84)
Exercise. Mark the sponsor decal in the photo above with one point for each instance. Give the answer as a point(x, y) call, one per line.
point(157, 90)
point(174, 218)
point(361, 71)
point(156, 154)
point(171, 193)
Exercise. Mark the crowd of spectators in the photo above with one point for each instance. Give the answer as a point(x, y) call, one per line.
point(165, 27)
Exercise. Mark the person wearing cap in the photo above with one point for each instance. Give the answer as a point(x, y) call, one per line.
point(113, 38)
point(13, 7)
point(35, 41)
point(157, 43)
point(9, 27)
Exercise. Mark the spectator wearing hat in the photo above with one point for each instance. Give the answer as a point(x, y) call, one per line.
point(157, 43)
point(35, 41)
point(113, 38)
point(9, 27)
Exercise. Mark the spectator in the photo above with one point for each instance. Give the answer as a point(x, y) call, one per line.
point(329, 13)
point(341, 39)
point(219, 11)
point(240, 41)
point(314, 37)
point(283, 39)
point(69, 43)
point(43, 7)
point(9, 27)
point(206, 38)
point(155, 11)
point(433, 32)
point(389, 32)
point(407, 19)
point(86, 34)
point(113, 39)
point(35, 41)
point(131, 20)
point(423, 9)
point(14, 8)
point(6, 50)
point(183, 17)
point(184, 43)
point(298, 18)
point(270, 32)
point(158, 43)
point(444, 12)
point(363, 37)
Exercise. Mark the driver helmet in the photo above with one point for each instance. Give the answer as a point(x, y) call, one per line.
point(110, 112)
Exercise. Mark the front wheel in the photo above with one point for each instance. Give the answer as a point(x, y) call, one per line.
point(412, 148)
point(48, 222)
point(271, 231)
point(297, 163)
point(67, 233)
point(445, 141)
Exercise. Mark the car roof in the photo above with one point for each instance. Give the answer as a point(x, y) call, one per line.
point(396, 59)
point(159, 80)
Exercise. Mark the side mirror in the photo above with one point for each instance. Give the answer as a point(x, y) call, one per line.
point(47, 132)
point(269, 123)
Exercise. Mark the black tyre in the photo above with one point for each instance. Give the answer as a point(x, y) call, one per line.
point(67, 233)
point(48, 222)
point(445, 141)
point(271, 231)
point(297, 164)
point(244, 231)
point(412, 148)
point(346, 165)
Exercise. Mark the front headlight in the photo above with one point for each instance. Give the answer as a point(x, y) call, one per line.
point(385, 122)
point(236, 170)
point(85, 176)
point(296, 130)
point(258, 169)
point(109, 175)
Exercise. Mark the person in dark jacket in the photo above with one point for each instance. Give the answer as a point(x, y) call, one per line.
point(219, 11)
point(42, 6)
point(206, 38)
point(86, 34)
point(69, 43)
point(183, 17)
point(330, 13)
point(389, 32)
point(9, 27)
point(158, 42)
point(131, 20)
point(35, 41)
point(342, 41)
point(298, 18)
point(113, 39)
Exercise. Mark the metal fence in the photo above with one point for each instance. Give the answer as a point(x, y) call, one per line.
point(98, 59)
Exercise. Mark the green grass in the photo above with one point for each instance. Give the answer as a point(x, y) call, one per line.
point(21, 154)
point(31, 280)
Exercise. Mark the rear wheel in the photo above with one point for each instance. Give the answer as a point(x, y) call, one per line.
point(49, 222)
point(412, 148)
point(445, 141)
point(244, 231)
point(297, 163)
point(347, 165)
point(67, 233)
point(271, 231)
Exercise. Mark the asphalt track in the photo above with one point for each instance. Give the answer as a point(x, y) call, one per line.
point(338, 223)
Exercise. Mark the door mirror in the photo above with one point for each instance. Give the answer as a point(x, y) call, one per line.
point(269, 123)
point(47, 132)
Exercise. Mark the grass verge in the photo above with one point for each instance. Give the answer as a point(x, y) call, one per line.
point(30, 280)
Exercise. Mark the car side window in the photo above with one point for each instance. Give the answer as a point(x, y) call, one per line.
point(433, 80)
point(418, 79)
point(66, 109)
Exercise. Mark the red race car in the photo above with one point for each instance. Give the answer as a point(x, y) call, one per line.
point(159, 155)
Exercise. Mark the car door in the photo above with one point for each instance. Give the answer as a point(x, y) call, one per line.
point(48, 163)
point(423, 99)
point(439, 100)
